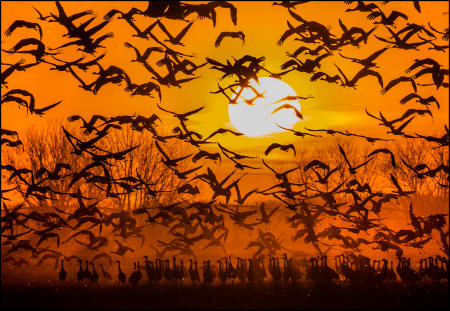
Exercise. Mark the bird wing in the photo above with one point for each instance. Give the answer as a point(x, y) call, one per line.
point(271, 147)
point(347, 57)
point(318, 75)
point(219, 39)
point(344, 29)
point(265, 164)
point(405, 124)
point(395, 14)
point(314, 163)
point(298, 51)
point(291, 146)
point(408, 97)
point(273, 211)
point(183, 32)
point(344, 155)
point(376, 54)
point(193, 111)
point(161, 151)
point(393, 83)
point(366, 72)
point(364, 163)
point(395, 182)
point(296, 16)
point(164, 109)
point(44, 109)
point(289, 106)
point(342, 74)
point(227, 5)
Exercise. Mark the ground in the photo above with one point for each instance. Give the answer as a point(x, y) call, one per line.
point(394, 296)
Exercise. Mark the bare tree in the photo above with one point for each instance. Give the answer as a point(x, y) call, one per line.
point(46, 145)
point(144, 162)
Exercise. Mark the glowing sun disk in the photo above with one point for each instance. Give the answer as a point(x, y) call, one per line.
point(258, 118)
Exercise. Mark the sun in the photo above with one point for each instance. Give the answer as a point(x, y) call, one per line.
point(256, 116)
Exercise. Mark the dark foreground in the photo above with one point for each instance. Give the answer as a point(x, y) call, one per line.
point(263, 296)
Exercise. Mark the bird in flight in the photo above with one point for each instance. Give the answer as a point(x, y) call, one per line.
point(282, 147)
point(288, 106)
point(230, 34)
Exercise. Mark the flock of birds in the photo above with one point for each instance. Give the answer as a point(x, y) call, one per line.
point(360, 269)
point(191, 222)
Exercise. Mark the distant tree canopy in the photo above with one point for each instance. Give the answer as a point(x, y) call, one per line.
point(45, 146)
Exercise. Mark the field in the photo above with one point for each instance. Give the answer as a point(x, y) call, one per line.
point(395, 296)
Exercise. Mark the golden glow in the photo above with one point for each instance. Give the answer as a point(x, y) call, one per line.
point(263, 23)
point(256, 119)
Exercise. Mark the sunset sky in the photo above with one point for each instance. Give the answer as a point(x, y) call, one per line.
point(332, 107)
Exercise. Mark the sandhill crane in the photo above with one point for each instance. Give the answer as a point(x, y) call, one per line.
point(62, 273)
point(251, 271)
point(196, 274)
point(222, 272)
point(241, 270)
point(121, 276)
point(138, 272)
point(175, 270)
point(230, 270)
point(80, 274)
point(193, 272)
point(94, 275)
point(328, 272)
point(105, 273)
point(168, 275)
point(208, 274)
point(87, 273)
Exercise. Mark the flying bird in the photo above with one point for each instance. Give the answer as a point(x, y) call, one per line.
point(122, 249)
point(316, 163)
point(368, 61)
point(288, 106)
point(384, 150)
point(40, 111)
point(394, 82)
point(222, 131)
point(399, 189)
point(168, 161)
point(233, 34)
point(424, 101)
point(352, 169)
point(386, 20)
point(21, 23)
point(182, 116)
point(297, 133)
point(177, 39)
point(360, 74)
point(282, 147)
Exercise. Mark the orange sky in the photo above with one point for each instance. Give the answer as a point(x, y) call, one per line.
point(333, 106)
